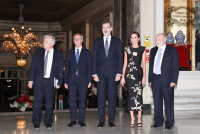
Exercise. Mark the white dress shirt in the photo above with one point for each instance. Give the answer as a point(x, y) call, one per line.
point(79, 49)
point(49, 62)
point(163, 51)
point(109, 39)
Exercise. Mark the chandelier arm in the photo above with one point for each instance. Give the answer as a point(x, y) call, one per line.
point(16, 38)
point(10, 45)
point(29, 37)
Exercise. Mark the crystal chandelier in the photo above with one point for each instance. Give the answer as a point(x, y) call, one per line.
point(20, 42)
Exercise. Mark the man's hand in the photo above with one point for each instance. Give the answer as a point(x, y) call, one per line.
point(66, 86)
point(89, 85)
point(150, 83)
point(172, 84)
point(118, 77)
point(96, 78)
point(57, 87)
point(30, 84)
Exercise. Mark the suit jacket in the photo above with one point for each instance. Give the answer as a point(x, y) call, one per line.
point(112, 64)
point(36, 73)
point(169, 66)
point(84, 66)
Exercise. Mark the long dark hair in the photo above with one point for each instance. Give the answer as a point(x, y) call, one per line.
point(138, 35)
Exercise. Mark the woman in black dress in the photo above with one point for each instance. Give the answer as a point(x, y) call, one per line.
point(134, 76)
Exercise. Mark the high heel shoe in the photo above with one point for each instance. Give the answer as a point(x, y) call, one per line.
point(139, 124)
point(132, 125)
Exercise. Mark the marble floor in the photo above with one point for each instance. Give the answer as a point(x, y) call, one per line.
point(186, 122)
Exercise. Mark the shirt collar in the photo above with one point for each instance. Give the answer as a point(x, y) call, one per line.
point(163, 47)
point(107, 37)
point(50, 51)
point(79, 48)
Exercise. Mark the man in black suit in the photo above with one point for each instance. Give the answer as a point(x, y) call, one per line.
point(163, 76)
point(107, 70)
point(47, 64)
point(78, 78)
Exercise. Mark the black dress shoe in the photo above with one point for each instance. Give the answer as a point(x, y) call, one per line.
point(71, 124)
point(48, 125)
point(36, 126)
point(155, 125)
point(168, 127)
point(101, 124)
point(82, 124)
point(111, 124)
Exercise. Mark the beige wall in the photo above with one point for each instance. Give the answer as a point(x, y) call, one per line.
point(147, 28)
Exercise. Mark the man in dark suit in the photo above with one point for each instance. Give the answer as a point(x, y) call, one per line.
point(61, 102)
point(78, 78)
point(107, 70)
point(47, 64)
point(163, 76)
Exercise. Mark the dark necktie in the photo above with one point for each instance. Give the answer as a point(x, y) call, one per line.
point(106, 47)
point(77, 58)
point(45, 63)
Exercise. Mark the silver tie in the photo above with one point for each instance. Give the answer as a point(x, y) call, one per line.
point(106, 47)
point(45, 63)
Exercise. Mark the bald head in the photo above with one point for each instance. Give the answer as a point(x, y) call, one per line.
point(160, 40)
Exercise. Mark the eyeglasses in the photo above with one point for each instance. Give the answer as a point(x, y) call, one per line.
point(77, 39)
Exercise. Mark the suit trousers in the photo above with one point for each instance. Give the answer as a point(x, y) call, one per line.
point(77, 87)
point(39, 96)
point(102, 85)
point(161, 90)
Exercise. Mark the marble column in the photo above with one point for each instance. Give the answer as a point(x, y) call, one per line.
point(119, 20)
point(119, 32)
point(132, 17)
point(159, 16)
point(70, 39)
point(87, 35)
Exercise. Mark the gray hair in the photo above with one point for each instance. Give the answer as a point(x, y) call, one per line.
point(52, 38)
point(78, 34)
point(104, 22)
point(161, 34)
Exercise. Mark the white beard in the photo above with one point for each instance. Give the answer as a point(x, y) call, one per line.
point(106, 34)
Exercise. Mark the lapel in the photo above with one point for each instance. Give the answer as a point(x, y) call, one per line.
point(73, 55)
point(166, 53)
point(154, 54)
point(111, 45)
point(54, 62)
point(42, 55)
point(81, 54)
point(102, 48)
